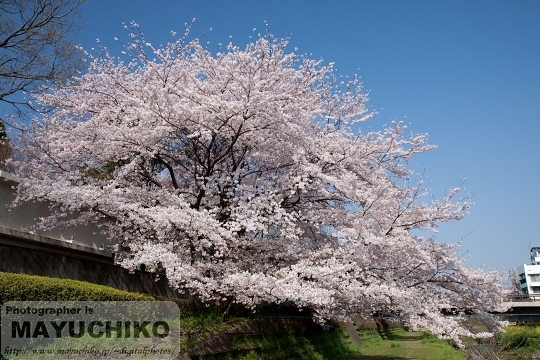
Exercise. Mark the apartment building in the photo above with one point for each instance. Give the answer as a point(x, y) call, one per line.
point(529, 274)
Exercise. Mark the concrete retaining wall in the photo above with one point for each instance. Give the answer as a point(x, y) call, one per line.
point(25, 216)
point(55, 263)
point(80, 253)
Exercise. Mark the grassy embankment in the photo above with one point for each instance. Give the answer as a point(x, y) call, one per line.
point(199, 323)
point(335, 344)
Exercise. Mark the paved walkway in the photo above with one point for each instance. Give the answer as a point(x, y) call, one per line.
point(353, 334)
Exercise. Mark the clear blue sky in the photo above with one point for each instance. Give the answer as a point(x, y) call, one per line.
point(465, 72)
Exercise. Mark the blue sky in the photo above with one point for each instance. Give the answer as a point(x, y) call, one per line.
point(465, 72)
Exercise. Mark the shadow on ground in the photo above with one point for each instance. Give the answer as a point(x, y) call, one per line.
point(375, 357)
point(336, 346)
point(390, 334)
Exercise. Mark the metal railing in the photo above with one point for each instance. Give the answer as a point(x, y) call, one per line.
point(523, 298)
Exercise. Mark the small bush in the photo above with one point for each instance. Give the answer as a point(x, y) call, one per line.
point(21, 287)
point(516, 337)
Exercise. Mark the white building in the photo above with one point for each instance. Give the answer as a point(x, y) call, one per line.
point(529, 274)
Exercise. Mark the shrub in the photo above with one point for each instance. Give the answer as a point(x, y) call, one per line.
point(21, 287)
point(516, 337)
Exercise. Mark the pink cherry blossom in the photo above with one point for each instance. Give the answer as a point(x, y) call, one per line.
point(241, 175)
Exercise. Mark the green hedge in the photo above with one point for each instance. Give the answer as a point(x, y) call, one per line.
point(21, 287)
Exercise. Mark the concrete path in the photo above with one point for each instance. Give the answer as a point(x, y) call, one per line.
point(353, 334)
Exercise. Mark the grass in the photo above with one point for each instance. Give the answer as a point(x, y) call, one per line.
point(336, 345)
point(199, 326)
point(401, 344)
point(293, 346)
point(195, 327)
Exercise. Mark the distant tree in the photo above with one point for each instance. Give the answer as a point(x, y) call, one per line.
point(5, 149)
point(240, 175)
point(34, 47)
point(34, 51)
point(514, 282)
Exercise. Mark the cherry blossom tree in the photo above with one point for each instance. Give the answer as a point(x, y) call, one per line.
point(241, 176)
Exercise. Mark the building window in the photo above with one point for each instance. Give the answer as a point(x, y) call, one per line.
point(535, 277)
point(535, 289)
